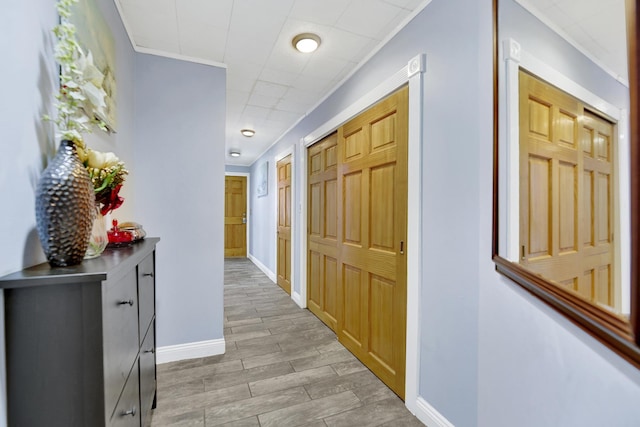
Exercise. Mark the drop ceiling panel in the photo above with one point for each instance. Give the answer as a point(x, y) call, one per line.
point(366, 17)
point(282, 77)
point(326, 12)
point(196, 41)
point(263, 101)
point(284, 117)
point(155, 21)
point(269, 89)
point(345, 45)
point(204, 12)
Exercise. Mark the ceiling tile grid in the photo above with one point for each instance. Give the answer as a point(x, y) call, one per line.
point(270, 86)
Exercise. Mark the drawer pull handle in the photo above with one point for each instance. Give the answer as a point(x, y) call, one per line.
point(131, 412)
point(147, 274)
point(130, 302)
point(152, 350)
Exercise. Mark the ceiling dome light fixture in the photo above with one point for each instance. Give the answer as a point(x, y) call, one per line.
point(234, 153)
point(248, 132)
point(306, 42)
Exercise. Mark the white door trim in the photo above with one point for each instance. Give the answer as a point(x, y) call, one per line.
point(248, 176)
point(289, 151)
point(412, 73)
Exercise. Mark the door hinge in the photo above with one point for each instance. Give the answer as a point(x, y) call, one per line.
point(522, 255)
point(401, 246)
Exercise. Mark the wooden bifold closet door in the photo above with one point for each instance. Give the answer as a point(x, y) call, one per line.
point(357, 236)
point(567, 191)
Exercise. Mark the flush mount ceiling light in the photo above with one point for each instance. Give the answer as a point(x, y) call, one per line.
point(306, 42)
point(234, 153)
point(248, 132)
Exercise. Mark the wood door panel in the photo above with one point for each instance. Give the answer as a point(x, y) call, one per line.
point(352, 302)
point(381, 309)
point(331, 157)
point(382, 199)
point(330, 300)
point(352, 212)
point(331, 209)
point(383, 133)
point(354, 144)
point(566, 129)
point(314, 266)
point(539, 118)
point(603, 224)
point(603, 291)
point(314, 209)
point(568, 222)
point(539, 207)
point(235, 228)
point(588, 206)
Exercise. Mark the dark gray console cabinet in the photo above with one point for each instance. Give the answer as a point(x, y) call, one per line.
point(80, 341)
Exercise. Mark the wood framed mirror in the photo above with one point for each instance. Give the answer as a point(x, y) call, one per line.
point(567, 192)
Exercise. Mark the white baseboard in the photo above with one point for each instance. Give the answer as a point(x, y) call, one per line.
point(429, 415)
point(297, 298)
point(191, 350)
point(270, 274)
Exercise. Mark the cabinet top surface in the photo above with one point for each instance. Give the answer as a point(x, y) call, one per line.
point(111, 262)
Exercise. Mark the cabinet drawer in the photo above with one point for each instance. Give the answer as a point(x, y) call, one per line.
point(120, 334)
point(146, 294)
point(147, 362)
point(127, 412)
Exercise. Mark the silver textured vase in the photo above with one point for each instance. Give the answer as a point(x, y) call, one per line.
point(65, 208)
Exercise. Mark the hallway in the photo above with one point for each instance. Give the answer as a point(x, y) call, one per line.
point(282, 367)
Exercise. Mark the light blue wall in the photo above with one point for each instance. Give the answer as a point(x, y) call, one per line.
point(262, 215)
point(31, 78)
point(26, 141)
point(490, 354)
point(180, 130)
point(237, 169)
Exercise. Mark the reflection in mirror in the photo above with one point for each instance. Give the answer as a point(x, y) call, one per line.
point(563, 103)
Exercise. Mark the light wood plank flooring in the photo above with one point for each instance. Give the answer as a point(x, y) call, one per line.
point(282, 367)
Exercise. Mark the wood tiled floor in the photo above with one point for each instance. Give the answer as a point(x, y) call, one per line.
point(282, 367)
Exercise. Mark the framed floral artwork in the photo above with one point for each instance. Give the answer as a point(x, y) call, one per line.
point(96, 40)
point(262, 179)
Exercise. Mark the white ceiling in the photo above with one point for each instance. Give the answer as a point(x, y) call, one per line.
point(271, 86)
point(596, 27)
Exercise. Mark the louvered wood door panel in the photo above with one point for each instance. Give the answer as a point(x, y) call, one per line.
point(566, 191)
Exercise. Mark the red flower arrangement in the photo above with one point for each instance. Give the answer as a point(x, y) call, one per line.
point(110, 200)
point(107, 174)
